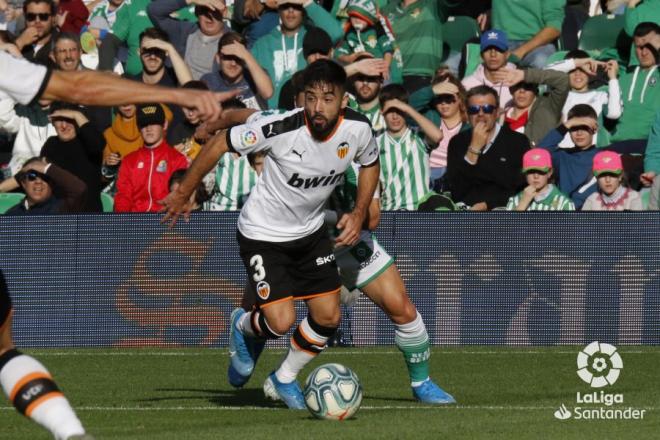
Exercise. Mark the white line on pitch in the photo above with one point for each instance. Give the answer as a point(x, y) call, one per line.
point(279, 351)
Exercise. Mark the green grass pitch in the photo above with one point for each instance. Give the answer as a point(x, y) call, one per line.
point(502, 393)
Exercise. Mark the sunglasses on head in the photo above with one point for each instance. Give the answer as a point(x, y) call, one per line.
point(445, 98)
point(31, 16)
point(475, 109)
point(153, 51)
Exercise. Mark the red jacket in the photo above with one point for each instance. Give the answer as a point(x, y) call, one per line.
point(143, 178)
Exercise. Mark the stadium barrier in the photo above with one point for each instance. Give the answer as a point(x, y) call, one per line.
point(501, 278)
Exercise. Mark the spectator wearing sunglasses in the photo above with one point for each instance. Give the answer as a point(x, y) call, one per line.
point(41, 181)
point(238, 70)
point(449, 103)
point(573, 166)
point(484, 162)
point(155, 49)
point(196, 42)
point(35, 42)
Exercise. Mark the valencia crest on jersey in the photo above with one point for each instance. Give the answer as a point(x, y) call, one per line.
point(300, 172)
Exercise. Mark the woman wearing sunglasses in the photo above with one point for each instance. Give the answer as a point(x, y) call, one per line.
point(449, 102)
point(40, 180)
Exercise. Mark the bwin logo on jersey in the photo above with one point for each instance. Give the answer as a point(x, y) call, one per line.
point(342, 150)
point(298, 181)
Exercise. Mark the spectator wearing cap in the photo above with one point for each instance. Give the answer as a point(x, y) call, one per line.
point(484, 162)
point(237, 69)
point(41, 181)
point(532, 27)
point(280, 51)
point(573, 166)
point(494, 55)
point(612, 194)
point(196, 42)
point(365, 35)
point(77, 148)
point(144, 174)
point(539, 194)
point(532, 113)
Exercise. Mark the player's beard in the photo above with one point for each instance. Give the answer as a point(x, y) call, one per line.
point(321, 129)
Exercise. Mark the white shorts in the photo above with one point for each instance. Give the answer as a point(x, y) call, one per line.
point(363, 262)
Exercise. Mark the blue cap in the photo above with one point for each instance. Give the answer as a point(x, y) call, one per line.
point(495, 38)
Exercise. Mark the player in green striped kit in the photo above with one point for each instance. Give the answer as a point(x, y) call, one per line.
point(404, 158)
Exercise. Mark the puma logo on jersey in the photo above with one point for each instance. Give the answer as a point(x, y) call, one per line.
point(297, 181)
point(299, 154)
point(270, 130)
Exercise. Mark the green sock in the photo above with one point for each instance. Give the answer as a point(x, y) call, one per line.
point(413, 341)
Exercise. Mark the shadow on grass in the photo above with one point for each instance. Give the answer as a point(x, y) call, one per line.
point(253, 397)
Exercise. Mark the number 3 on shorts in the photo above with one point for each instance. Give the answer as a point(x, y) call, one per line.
point(259, 271)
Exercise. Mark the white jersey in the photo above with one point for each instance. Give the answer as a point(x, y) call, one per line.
point(299, 172)
point(21, 80)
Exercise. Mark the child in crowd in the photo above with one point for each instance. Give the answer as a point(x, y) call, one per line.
point(612, 194)
point(365, 34)
point(404, 159)
point(540, 194)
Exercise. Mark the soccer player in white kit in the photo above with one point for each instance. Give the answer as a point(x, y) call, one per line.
point(28, 384)
point(283, 241)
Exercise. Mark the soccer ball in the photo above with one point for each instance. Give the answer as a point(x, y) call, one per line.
point(333, 392)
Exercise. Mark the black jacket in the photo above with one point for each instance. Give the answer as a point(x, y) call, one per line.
point(497, 174)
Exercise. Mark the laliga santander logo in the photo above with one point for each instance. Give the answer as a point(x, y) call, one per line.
point(599, 364)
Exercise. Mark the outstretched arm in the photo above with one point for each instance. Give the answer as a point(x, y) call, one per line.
point(177, 202)
point(88, 87)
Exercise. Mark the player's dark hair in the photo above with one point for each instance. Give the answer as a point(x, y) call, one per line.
point(483, 90)
point(48, 2)
point(392, 91)
point(582, 111)
point(154, 33)
point(646, 27)
point(324, 72)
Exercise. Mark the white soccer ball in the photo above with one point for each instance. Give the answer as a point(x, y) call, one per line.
point(333, 392)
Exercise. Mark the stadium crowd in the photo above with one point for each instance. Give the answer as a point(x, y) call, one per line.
point(477, 105)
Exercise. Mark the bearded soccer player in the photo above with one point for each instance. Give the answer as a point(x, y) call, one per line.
point(283, 242)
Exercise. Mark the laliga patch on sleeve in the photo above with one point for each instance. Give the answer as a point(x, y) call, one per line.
point(248, 138)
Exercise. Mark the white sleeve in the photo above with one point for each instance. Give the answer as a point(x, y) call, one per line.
point(20, 79)
point(367, 153)
point(614, 104)
point(9, 120)
point(259, 133)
